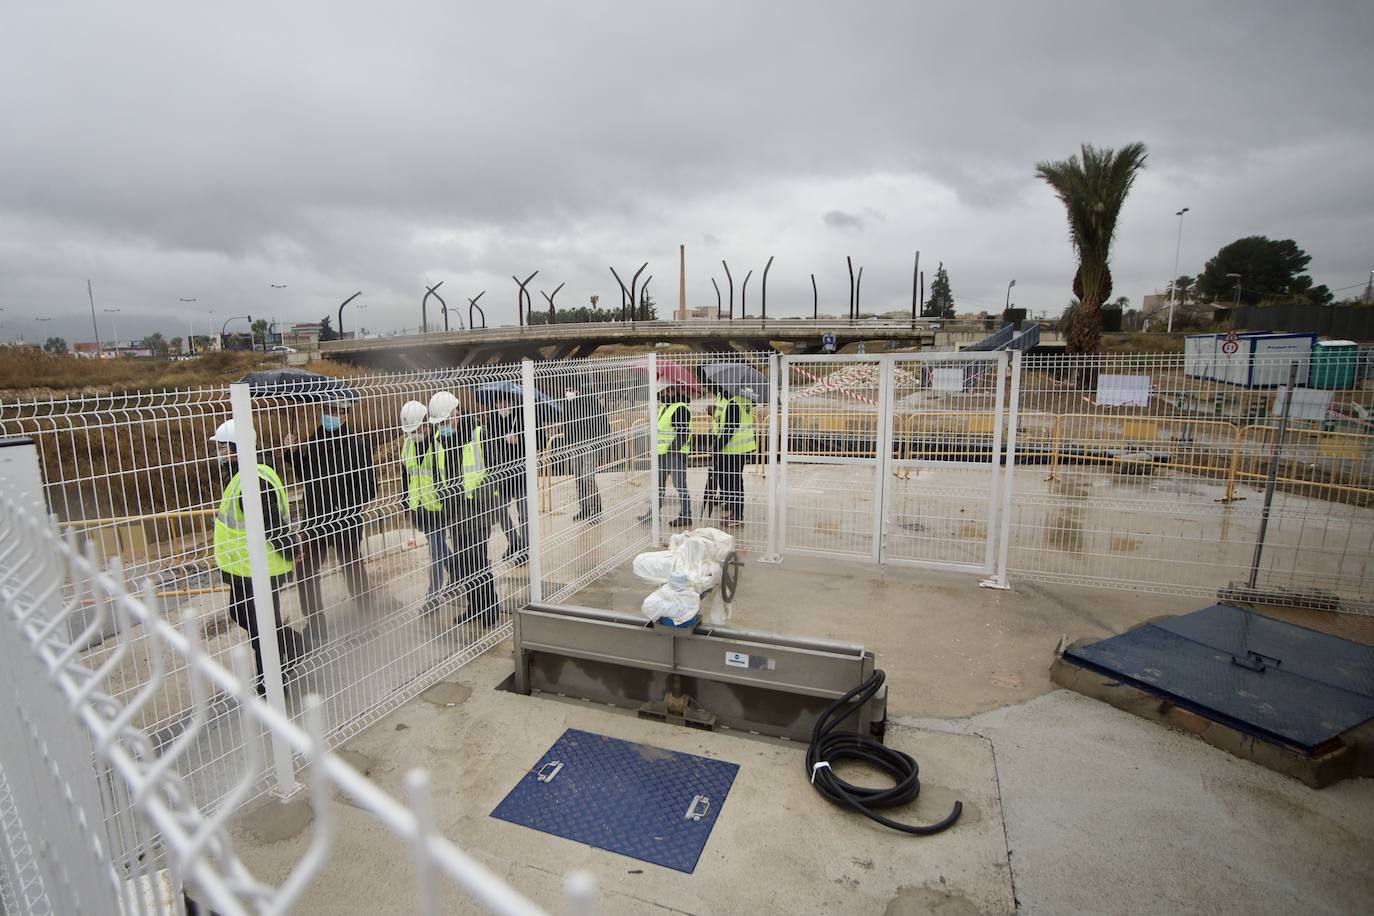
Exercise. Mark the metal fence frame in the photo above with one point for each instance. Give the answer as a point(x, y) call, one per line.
point(69, 740)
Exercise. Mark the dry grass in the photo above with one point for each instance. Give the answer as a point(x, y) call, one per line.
point(29, 373)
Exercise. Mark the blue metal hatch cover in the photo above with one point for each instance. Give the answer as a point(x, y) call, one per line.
point(641, 801)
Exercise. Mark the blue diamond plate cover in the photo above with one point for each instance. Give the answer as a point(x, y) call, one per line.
point(634, 799)
point(1311, 689)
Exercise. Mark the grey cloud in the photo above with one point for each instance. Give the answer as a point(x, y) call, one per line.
point(172, 151)
point(838, 219)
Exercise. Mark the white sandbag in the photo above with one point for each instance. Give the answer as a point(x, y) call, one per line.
point(692, 562)
point(654, 567)
point(719, 543)
point(676, 601)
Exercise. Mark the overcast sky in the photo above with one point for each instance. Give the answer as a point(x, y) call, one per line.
point(175, 150)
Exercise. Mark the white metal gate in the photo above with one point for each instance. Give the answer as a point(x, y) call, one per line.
point(894, 458)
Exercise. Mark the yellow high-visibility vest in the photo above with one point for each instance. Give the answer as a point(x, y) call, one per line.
point(742, 441)
point(666, 433)
point(424, 476)
point(474, 464)
point(231, 534)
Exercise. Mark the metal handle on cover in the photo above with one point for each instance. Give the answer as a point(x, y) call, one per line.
point(692, 813)
point(543, 776)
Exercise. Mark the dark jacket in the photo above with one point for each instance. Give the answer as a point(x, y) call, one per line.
point(505, 459)
point(338, 480)
point(585, 425)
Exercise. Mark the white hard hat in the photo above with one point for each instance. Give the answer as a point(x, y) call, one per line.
point(224, 433)
point(441, 406)
point(413, 414)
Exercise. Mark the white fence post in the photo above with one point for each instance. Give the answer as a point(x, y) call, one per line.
point(784, 396)
point(882, 454)
point(999, 579)
point(995, 464)
point(246, 445)
point(655, 513)
point(774, 466)
point(533, 535)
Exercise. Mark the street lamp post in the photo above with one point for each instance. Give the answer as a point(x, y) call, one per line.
point(1173, 281)
point(190, 330)
point(114, 326)
point(341, 308)
point(224, 326)
point(1007, 308)
point(1237, 279)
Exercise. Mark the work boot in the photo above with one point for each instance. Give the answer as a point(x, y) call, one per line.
point(644, 518)
point(680, 522)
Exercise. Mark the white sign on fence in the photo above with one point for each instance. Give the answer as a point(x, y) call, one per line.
point(1308, 403)
point(947, 379)
point(1123, 391)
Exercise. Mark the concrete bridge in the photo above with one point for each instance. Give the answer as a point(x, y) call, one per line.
point(562, 341)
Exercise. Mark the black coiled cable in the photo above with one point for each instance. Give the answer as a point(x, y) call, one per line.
point(830, 746)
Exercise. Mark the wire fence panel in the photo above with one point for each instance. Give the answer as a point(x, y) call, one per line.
point(725, 429)
point(594, 439)
point(385, 595)
point(947, 416)
point(832, 461)
point(71, 744)
point(1152, 472)
point(133, 481)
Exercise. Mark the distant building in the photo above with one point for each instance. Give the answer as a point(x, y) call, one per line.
point(86, 349)
point(702, 313)
point(1154, 303)
point(302, 335)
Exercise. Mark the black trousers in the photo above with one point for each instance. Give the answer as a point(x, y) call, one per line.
point(470, 536)
point(517, 533)
point(290, 644)
point(730, 481)
point(347, 544)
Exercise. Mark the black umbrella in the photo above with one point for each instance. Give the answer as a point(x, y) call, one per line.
point(298, 383)
point(515, 391)
point(736, 377)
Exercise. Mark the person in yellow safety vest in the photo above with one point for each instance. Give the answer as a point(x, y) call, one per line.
point(232, 552)
point(673, 443)
point(732, 424)
point(470, 499)
point(425, 469)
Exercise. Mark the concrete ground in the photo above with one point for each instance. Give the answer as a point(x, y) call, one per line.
point(775, 847)
point(1072, 806)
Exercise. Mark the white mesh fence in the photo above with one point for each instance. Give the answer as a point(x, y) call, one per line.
point(1150, 471)
point(72, 744)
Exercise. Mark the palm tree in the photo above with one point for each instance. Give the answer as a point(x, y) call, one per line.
point(1093, 192)
point(259, 330)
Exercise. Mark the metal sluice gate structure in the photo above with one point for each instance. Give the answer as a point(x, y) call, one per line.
point(1110, 471)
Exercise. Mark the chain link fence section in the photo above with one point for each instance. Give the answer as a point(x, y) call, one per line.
point(1142, 471)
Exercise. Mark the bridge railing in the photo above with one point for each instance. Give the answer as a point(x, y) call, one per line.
point(670, 328)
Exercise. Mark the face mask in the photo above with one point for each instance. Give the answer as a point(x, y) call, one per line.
point(570, 394)
point(505, 412)
point(330, 424)
point(225, 461)
point(446, 431)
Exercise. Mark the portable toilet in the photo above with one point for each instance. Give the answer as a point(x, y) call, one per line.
point(1333, 364)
